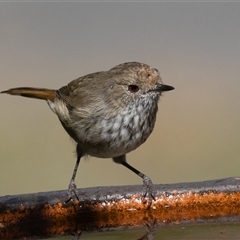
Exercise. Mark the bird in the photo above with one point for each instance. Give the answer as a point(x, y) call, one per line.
point(107, 113)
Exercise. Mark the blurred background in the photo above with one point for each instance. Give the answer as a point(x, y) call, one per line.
point(195, 46)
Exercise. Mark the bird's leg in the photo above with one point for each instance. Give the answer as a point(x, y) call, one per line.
point(147, 182)
point(72, 188)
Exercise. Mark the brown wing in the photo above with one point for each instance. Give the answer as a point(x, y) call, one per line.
point(79, 90)
point(86, 93)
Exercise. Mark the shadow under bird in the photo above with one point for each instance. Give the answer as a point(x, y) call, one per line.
point(108, 113)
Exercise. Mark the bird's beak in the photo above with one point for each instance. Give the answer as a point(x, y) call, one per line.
point(163, 88)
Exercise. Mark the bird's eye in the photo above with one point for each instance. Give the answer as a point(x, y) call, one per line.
point(133, 88)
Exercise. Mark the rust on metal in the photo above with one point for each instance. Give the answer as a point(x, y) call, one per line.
point(46, 214)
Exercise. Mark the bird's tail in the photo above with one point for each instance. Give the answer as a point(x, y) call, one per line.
point(39, 93)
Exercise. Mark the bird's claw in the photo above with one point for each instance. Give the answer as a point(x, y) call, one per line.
point(72, 192)
point(148, 190)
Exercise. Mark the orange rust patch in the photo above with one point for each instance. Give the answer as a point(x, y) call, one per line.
point(172, 207)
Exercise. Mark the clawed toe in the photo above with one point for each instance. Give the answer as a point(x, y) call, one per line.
point(148, 190)
point(72, 192)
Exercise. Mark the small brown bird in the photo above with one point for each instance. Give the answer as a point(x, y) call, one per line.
point(108, 113)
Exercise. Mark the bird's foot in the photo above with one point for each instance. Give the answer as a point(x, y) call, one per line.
point(72, 192)
point(148, 190)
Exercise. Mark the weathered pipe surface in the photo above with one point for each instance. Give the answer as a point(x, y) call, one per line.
point(46, 214)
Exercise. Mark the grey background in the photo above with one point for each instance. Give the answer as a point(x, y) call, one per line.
point(195, 46)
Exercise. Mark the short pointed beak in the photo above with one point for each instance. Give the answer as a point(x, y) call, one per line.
point(163, 88)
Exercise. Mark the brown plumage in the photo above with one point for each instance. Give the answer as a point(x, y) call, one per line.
point(38, 93)
point(108, 113)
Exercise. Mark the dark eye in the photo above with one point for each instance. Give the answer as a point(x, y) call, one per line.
point(133, 88)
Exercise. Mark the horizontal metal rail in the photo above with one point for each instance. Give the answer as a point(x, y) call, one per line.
point(47, 214)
